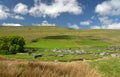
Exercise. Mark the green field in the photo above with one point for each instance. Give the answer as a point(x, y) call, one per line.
point(60, 37)
point(53, 44)
point(66, 58)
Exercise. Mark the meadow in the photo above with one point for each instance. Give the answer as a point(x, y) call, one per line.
point(12, 67)
point(66, 64)
point(109, 67)
point(45, 37)
point(67, 58)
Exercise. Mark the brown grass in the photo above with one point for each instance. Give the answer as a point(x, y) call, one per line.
point(2, 58)
point(46, 69)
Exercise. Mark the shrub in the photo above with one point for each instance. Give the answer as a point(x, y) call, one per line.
point(12, 44)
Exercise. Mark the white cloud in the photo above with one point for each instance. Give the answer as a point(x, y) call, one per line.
point(110, 26)
point(109, 7)
point(21, 8)
point(96, 27)
point(113, 26)
point(105, 20)
point(11, 24)
point(108, 10)
point(86, 23)
point(17, 17)
point(73, 26)
point(4, 12)
point(44, 23)
point(55, 8)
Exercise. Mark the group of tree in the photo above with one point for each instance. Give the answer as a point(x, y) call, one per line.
point(11, 44)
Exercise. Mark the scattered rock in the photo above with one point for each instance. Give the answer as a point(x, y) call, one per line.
point(114, 55)
point(102, 54)
point(61, 55)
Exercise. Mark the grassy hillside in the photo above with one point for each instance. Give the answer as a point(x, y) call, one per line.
point(60, 37)
point(51, 39)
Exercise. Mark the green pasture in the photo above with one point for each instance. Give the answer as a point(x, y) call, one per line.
point(53, 44)
point(53, 58)
point(60, 37)
point(109, 67)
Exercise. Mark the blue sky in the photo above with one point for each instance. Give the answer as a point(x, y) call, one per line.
point(76, 14)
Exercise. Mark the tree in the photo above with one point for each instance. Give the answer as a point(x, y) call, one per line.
point(12, 44)
point(17, 43)
point(4, 44)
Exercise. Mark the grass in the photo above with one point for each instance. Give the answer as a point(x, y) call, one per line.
point(97, 43)
point(49, 37)
point(46, 69)
point(53, 58)
point(109, 67)
point(53, 44)
point(69, 58)
point(49, 52)
point(17, 56)
point(60, 37)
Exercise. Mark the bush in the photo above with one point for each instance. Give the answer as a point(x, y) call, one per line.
point(12, 44)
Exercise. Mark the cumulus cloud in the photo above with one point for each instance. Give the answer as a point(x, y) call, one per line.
point(17, 17)
point(110, 26)
point(11, 24)
point(113, 26)
point(54, 9)
point(44, 23)
point(107, 11)
point(105, 20)
point(86, 23)
point(4, 12)
point(108, 7)
point(40, 9)
point(73, 26)
point(96, 27)
point(21, 8)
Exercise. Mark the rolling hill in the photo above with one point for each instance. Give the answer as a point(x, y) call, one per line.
point(60, 37)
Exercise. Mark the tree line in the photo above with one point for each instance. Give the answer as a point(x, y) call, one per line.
point(11, 44)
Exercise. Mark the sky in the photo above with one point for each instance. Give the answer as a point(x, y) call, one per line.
point(76, 14)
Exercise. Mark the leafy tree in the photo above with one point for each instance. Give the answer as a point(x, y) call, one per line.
point(18, 43)
point(12, 44)
point(4, 44)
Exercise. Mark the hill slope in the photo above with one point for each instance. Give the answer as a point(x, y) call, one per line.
point(54, 36)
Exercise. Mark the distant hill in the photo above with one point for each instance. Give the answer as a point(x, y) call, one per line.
point(60, 35)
